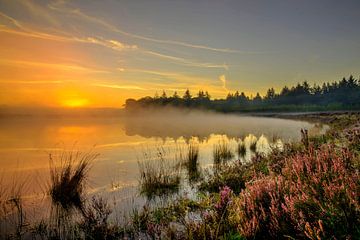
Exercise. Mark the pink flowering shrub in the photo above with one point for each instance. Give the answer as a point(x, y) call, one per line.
point(324, 193)
point(214, 221)
point(224, 201)
point(317, 196)
point(258, 209)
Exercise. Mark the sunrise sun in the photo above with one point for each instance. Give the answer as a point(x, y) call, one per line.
point(75, 102)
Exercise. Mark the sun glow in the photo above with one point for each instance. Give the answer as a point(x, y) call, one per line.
point(75, 102)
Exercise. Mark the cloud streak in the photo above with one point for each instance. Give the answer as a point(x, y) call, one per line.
point(115, 29)
point(116, 86)
point(222, 79)
point(29, 32)
point(187, 62)
point(31, 82)
point(107, 43)
point(65, 67)
point(178, 77)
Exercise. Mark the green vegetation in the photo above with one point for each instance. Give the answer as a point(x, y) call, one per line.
point(241, 150)
point(253, 146)
point(306, 190)
point(309, 190)
point(222, 152)
point(158, 174)
point(68, 175)
point(190, 161)
point(68, 180)
point(231, 175)
point(340, 95)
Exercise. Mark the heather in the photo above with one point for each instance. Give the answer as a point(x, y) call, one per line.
point(316, 196)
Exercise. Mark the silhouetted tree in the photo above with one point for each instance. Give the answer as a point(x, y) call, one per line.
point(336, 95)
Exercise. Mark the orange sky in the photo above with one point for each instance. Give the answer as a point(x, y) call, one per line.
point(81, 54)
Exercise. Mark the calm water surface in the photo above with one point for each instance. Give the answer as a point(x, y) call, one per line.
point(25, 144)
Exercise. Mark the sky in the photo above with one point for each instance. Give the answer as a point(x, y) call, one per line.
point(89, 53)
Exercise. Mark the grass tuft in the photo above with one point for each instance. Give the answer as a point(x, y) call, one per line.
point(253, 146)
point(68, 180)
point(190, 161)
point(222, 152)
point(241, 150)
point(158, 175)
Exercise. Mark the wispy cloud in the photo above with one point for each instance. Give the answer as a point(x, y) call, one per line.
point(108, 43)
point(64, 67)
point(187, 62)
point(222, 78)
point(20, 29)
point(60, 6)
point(31, 82)
point(114, 44)
point(40, 11)
point(175, 76)
point(116, 86)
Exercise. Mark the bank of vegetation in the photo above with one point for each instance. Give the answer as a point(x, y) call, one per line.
point(305, 190)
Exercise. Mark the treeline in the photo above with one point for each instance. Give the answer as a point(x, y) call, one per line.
point(338, 95)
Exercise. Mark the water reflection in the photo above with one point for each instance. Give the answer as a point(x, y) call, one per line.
point(184, 124)
point(26, 142)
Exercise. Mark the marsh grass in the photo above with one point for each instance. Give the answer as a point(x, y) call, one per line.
point(241, 149)
point(189, 160)
point(13, 217)
point(222, 152)
point(68, 179)
point(253, 146)
point(158, 174)
point(232, 175)
point(95, 223)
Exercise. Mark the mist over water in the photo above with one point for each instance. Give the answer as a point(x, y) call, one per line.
point(175, 123)
point(120, 139)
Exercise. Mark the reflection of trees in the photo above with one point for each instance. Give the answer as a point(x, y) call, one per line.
point(180, 125)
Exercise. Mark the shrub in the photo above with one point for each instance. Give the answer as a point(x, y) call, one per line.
point(95, 223)
point(317, 196)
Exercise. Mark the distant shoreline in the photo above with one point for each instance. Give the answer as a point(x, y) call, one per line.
point(119, 112)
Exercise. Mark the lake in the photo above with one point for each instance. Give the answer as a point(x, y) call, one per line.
point(26, 142)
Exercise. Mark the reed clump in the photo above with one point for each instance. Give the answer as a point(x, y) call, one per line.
point(158, 174)
point(190, 161)
point(241, 149)
point(13, 217)
point(253, 146)
point(222, 152)
point(68, 180)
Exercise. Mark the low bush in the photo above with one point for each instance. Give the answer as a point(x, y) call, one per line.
point(316, 196)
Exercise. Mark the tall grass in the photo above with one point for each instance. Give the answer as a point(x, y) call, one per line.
point(68, 180)
point(190, 161)
point(222, 152)
point(13, 218)
point(253, 146)
point(241, 149)
point(158, 174)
